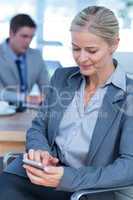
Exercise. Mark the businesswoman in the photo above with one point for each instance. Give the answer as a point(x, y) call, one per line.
point(84, 131)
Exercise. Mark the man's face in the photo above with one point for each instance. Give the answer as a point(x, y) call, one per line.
point(21, 40)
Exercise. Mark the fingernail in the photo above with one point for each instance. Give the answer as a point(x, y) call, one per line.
point(46, 168)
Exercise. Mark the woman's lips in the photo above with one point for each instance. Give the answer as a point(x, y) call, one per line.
point(85, 66)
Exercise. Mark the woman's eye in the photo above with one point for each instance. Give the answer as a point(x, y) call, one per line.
point(87, 50)
point(92, 52)
point(75, 49)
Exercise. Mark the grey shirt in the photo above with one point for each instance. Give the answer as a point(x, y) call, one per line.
point(78, 123)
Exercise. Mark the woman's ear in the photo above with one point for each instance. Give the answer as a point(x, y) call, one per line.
point(115, 44)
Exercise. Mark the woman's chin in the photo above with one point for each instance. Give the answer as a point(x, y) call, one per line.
point(87, 72)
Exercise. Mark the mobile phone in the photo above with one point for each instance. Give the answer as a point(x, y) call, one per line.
point(32, 163)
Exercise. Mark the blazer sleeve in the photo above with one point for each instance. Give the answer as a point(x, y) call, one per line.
point(36, 137)
point(118, 173)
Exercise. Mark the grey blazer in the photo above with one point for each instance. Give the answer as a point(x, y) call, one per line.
point(9, 78)
point(110, 158)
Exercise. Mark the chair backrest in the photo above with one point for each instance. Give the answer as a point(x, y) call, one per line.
point(9, 157)
point(52, 65)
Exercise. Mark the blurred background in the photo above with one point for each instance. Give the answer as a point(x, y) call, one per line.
point(53, 18)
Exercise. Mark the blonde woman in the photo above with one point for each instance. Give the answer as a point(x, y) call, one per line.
point(83, 134)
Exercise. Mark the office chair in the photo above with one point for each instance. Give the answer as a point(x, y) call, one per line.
point(121, 193)
point(52, 65)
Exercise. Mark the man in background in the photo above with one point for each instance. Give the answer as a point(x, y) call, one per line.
point(21, 66)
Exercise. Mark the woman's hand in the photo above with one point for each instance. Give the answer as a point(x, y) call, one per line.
point(51, 174)
point(50, 177)
point(42, 156)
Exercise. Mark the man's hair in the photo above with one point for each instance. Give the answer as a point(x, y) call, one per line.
point(21, 20)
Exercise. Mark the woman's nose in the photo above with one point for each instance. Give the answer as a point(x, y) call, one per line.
point(83, 56)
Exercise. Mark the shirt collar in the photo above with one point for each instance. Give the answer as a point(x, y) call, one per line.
point(10, 53)
point(117, 78)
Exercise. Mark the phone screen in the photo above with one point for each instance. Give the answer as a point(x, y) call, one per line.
point(32, 163)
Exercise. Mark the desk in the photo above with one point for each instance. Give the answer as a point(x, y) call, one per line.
point(13, 130)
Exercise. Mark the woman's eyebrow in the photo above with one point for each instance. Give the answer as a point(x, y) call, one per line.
point(75, 45)
point(87, 47)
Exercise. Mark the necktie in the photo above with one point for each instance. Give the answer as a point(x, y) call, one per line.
point(20, 108)
point(22, 85)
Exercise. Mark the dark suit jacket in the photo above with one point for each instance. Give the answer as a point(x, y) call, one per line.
point(110, 158)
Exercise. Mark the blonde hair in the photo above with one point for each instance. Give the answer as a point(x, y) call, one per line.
point(98, 20)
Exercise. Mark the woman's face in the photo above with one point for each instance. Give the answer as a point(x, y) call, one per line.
point(92, 53)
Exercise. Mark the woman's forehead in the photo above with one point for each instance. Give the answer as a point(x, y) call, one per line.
point(85, 36)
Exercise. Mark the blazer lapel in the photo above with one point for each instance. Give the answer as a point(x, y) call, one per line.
point(110, 108)
point(30, 69)
point(14, 71)
point(10, 64)
point(66, 95)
